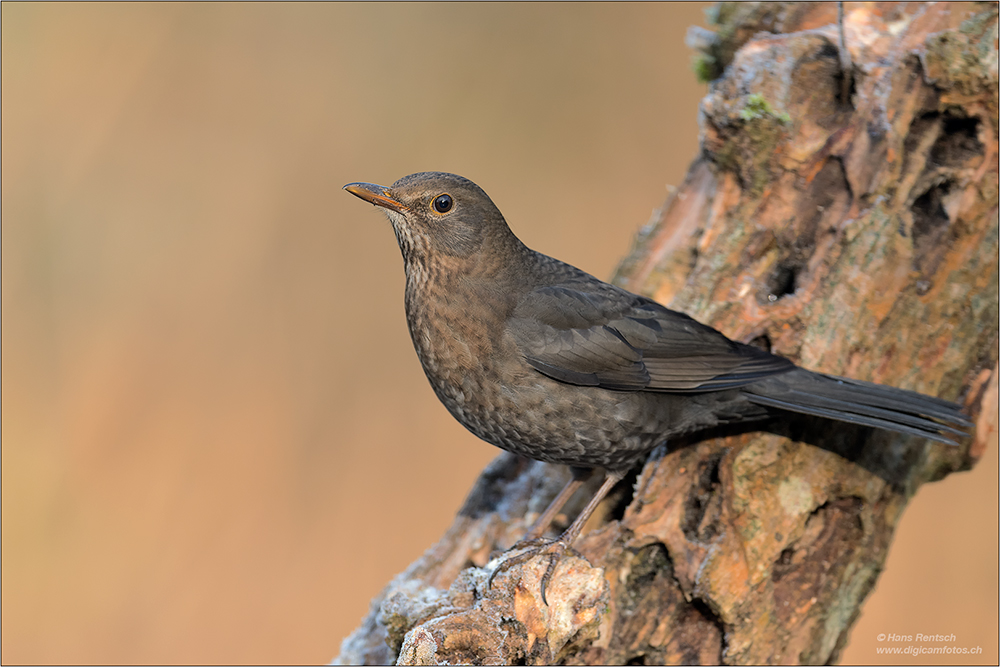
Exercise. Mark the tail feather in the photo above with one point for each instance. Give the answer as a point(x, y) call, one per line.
point(862, 403)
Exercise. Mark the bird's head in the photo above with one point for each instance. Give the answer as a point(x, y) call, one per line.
point(441, 217)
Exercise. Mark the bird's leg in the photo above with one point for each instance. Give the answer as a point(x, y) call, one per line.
point(558, 547)
point(533, 538)
point(566, 540)
point(544, 520)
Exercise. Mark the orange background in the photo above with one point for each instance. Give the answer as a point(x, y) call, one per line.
point(218, 444)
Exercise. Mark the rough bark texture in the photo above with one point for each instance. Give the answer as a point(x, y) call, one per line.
point(857, 237)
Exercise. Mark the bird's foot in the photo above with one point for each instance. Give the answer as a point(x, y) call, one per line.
point(553, 550)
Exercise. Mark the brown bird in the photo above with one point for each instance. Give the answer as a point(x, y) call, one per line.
point(548, 362)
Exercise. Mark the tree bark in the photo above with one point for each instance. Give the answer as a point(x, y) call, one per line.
point(855, 236)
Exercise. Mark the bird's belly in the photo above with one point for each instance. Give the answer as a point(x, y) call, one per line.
point(534, 416)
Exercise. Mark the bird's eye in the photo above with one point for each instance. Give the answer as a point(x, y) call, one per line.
point(443, 203)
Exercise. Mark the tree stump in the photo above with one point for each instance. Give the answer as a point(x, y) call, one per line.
point(856, 235)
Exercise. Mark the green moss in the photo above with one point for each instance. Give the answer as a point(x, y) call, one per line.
point(705, 67)
point(735, 23)
point(757, 107)
point(750, 152)
point(726, 18)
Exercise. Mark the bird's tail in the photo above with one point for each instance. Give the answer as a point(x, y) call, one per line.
point(863, 403)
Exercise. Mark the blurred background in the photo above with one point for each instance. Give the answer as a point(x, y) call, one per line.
point(218, 444)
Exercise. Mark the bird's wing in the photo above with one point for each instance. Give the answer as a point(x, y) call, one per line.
point(614, 339)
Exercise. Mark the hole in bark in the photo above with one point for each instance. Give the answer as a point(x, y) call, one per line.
point(701, 506)
point(706, 612)
point(843, 96)
point(649, 562)
point(782, 281)
point(712, 619)
point(826, 200)
point(930, 226)
point(761, 342)
point(783, 564)
point(929, 214)
point(958, 143)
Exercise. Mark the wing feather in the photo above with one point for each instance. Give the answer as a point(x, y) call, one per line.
point(604, 336)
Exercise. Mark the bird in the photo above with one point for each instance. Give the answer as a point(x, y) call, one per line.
point(546, 361)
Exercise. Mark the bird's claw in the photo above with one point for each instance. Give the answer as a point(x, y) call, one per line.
point(537, 547)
